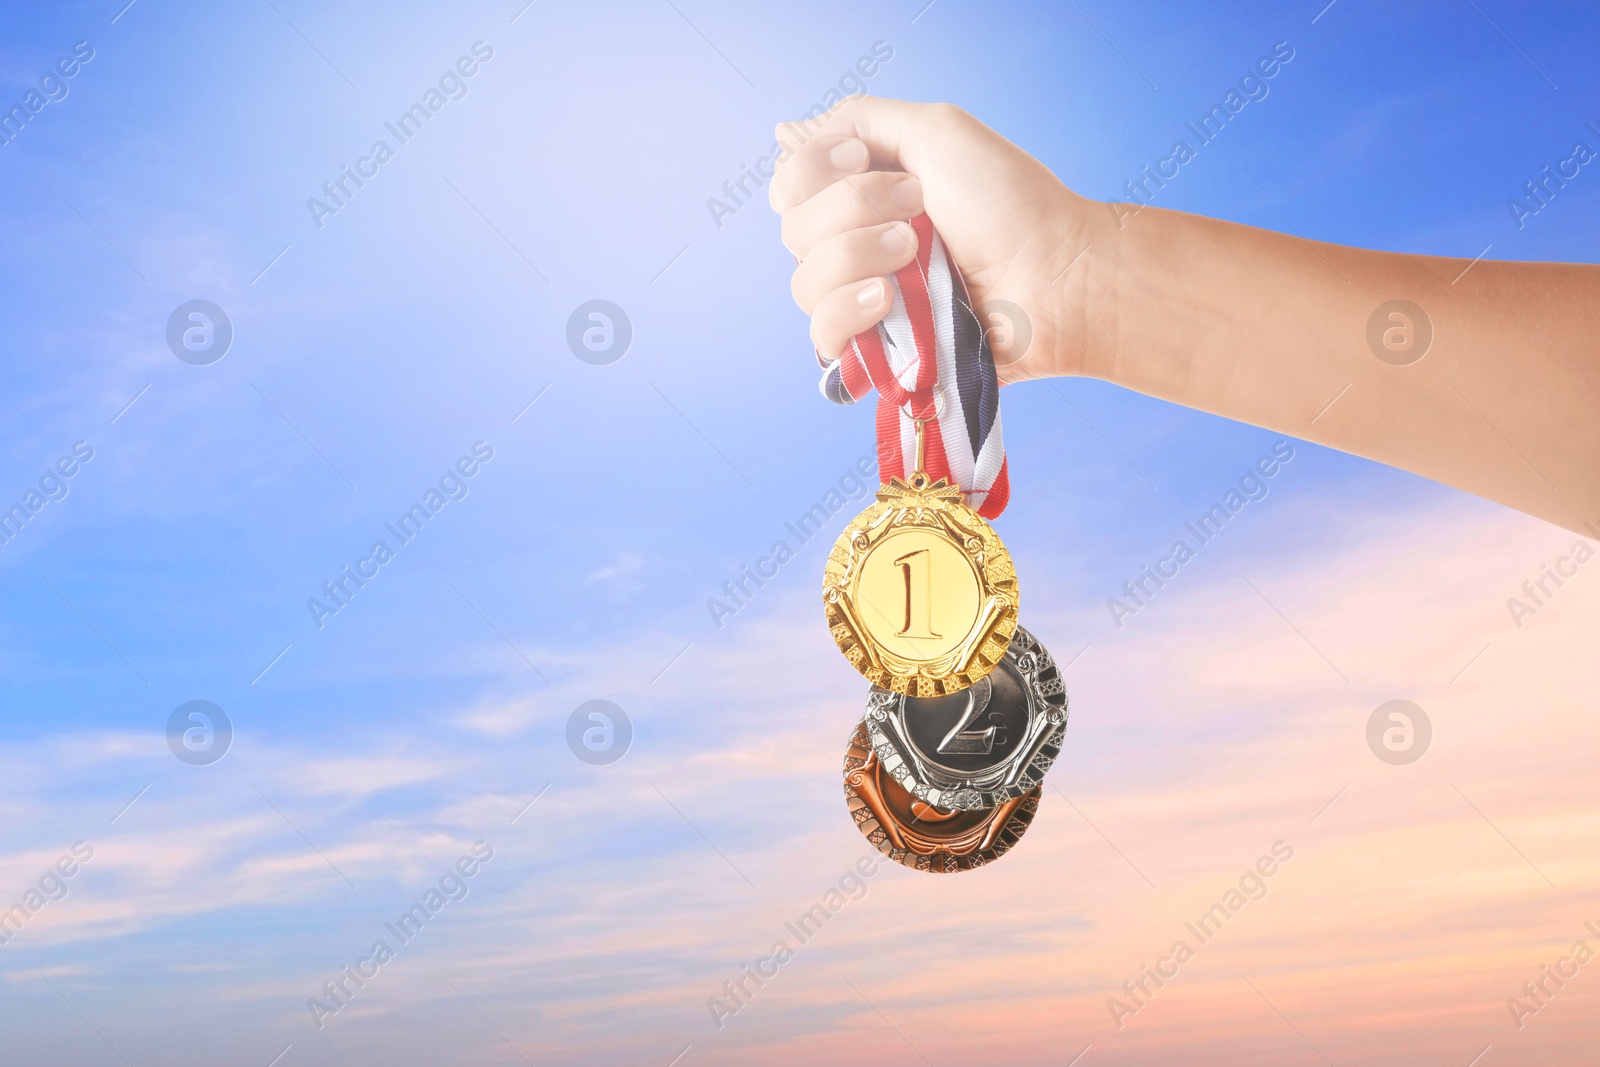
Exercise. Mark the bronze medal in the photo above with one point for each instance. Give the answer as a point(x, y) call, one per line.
point(918, 835)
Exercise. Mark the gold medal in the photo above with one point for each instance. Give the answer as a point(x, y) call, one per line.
point(919, 591)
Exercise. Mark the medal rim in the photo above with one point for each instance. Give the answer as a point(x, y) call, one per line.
point(1045, 696)
point(919, 507)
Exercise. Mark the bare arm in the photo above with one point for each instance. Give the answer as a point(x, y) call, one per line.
point(1266, 328)
point(1274, 330)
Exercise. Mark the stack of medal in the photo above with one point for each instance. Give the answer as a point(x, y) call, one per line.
point(967, 711)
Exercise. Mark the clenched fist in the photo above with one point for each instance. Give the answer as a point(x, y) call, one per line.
point(1010, 226)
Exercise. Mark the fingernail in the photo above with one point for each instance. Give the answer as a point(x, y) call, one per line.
point(906, 194)
point(897, 238)
point(871, 293)
point(848, 155)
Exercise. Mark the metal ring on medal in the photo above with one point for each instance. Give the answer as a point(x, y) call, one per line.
point(919, 591)
point(979, 748)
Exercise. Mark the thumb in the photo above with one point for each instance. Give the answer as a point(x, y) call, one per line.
point(919, 139)
point(896, 132)
point(953, 155)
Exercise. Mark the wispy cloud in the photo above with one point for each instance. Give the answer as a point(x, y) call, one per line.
point(625, 566)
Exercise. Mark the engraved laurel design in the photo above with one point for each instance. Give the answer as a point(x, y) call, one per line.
point(933, 785)
point(939, 507)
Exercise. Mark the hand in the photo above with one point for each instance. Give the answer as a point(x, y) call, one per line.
point(1261, 327)
point(1010, 226)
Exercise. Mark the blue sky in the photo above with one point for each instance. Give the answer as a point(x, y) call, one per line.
point(373, 351)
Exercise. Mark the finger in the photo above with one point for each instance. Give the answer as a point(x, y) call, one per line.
point(898, 134)
point(815, 165)
point(849, 204)
point(847, 311)
point(852, 257)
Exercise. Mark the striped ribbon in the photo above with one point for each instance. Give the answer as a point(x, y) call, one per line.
point(929, 359)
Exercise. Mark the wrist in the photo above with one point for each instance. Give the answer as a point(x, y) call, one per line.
point(1136, 300)
point(1088, 290)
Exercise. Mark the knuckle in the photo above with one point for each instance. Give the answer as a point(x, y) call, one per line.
point(948, 115)
point(777, 193)
point(867, 186)
point(807, 288)
point(878, 194)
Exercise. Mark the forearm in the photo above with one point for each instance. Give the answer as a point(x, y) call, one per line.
point(1272, 330)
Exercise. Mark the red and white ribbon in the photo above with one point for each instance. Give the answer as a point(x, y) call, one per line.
point(929, 359)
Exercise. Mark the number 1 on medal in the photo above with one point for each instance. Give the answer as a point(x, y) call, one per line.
point(922, 581)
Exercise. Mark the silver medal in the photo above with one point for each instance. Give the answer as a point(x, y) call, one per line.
point(981, 747)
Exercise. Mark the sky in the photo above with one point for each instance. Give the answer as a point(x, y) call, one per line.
point(381, 350)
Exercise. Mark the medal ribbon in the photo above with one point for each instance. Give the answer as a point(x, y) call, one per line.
point(929, 359)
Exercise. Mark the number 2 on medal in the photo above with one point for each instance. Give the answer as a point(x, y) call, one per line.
point(959, 741)
point(919, 593)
